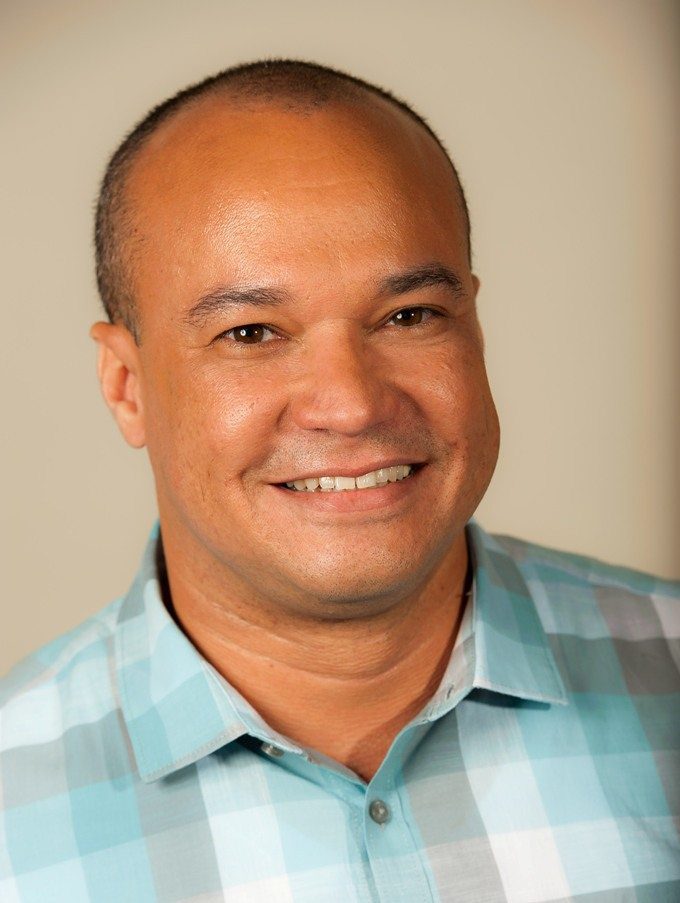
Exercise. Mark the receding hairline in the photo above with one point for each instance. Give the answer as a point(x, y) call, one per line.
point(362, 105)
point(272, 84)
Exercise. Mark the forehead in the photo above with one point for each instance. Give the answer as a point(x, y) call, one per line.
point(225, 185)
point(233, 128)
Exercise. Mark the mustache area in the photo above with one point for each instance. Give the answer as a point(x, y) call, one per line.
point(415, 446)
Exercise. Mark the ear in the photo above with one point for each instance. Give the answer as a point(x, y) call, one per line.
point(118, 368)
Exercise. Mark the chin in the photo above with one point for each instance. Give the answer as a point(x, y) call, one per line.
point(338, 588)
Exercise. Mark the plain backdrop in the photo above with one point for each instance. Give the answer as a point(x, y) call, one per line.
point(562, 118)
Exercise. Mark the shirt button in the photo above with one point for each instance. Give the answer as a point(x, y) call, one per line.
point(272, 750)
point(379, 812)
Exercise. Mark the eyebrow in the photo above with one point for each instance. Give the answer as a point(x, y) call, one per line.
point(421, 277)
point(221, 299)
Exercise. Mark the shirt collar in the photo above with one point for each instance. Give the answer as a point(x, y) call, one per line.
point(501, 644)
point(178, 708)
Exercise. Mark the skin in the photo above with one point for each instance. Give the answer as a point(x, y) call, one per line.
point(347, 603)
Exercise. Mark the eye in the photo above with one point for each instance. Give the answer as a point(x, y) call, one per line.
point(412, 316)
point(249, 334)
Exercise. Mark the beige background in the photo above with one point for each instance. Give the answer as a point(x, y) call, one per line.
point(562, 116)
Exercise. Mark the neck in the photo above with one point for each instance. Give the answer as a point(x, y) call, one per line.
point(343, 687)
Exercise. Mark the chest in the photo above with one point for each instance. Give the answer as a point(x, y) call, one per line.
point(492, 803)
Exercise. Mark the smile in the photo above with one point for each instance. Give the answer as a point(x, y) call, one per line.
point(345, 484)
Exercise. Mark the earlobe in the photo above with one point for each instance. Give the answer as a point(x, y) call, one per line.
point(118, 369)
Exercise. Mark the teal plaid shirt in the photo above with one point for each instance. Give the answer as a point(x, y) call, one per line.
point(544, 768)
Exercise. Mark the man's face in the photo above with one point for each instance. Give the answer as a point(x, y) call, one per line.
point(307, 310)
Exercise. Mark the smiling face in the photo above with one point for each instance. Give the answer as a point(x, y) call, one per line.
point(307, 311)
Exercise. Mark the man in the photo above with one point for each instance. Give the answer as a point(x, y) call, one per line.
point(327, 682)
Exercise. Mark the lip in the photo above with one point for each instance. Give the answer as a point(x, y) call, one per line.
point(384, 499)
point(350, 470)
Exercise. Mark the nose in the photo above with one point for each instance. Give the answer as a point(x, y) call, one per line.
point(343, 387)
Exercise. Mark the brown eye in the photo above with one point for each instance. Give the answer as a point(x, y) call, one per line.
point(249, 334)
point(410, 316)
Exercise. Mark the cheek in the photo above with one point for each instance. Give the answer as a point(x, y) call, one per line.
point(454, 390)
point(204, 428)
point(462, 416)
point(469, 429)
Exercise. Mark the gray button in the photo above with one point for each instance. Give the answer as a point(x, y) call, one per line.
point(379, 812)
point(272, 750)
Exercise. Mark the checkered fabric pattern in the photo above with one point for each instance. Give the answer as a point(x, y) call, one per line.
point(544, 768)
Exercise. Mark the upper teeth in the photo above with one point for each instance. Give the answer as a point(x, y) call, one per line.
point(365, 481)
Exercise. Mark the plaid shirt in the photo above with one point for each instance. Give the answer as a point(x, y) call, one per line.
point(541, 770)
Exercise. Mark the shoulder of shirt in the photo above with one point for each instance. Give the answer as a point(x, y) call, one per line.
point(86, 648)
point(548, 564)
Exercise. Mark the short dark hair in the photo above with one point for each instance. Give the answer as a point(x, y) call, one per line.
point(302, 85)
